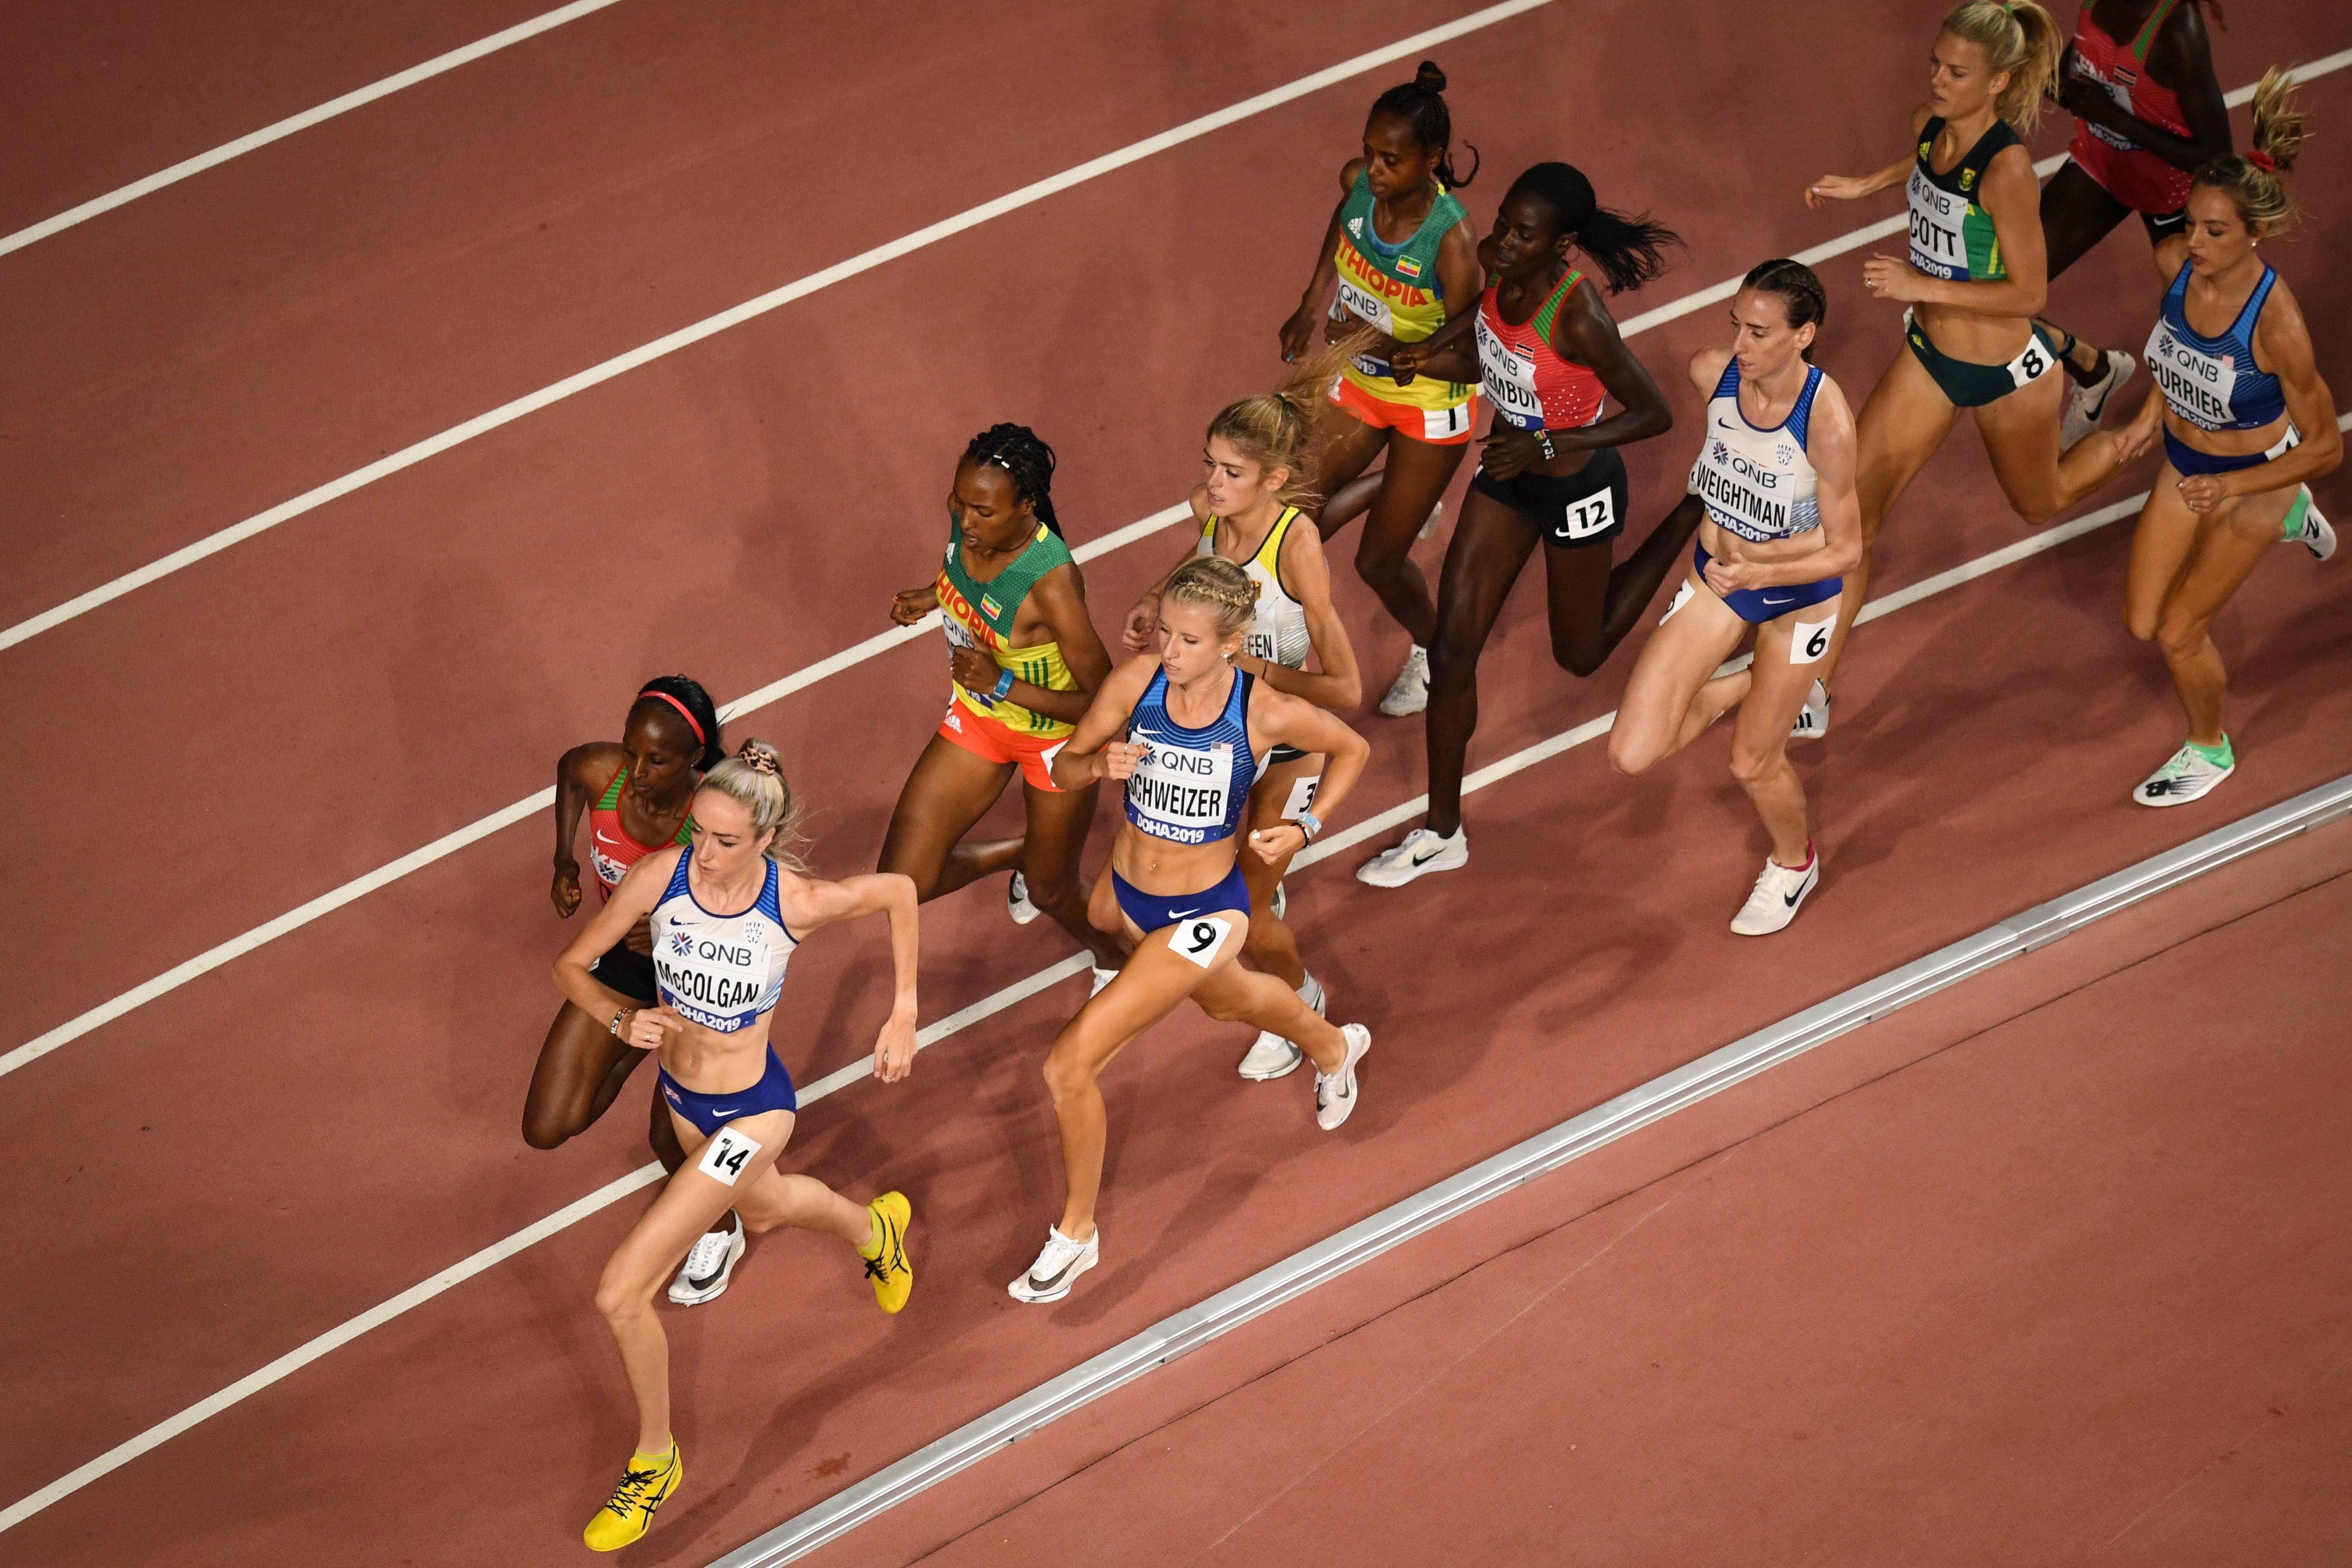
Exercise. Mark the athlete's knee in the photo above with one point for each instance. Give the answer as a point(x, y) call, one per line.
point(1062, 899)
point(544, 1128)
point(1756, 766)
point(1580, 656)
point(2181, 635)
point(1067, 1075)
point(2141, 622)
point(621, 1300)
point(1631, 753)
point(1377, 563)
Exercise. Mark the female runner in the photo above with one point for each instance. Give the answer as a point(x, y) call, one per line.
point(640, 790)
point(2246, 423)
point(1975, 281)
point(1248, 506)
point(1775, 472)
point(1549, 352)
point(1404, 259)
point(1190, 731)
point(726, 916)
point(1024, 661)
point(2139, 79)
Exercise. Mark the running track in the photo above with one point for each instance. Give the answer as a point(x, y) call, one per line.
point(251, 1160)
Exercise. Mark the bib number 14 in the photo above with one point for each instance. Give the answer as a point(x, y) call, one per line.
point(727, 1155)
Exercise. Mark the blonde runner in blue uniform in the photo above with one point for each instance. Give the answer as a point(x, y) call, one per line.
point(1185, 733)
point(1248, 507)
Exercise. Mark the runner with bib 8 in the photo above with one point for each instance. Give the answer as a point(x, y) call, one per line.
point(1186, 733)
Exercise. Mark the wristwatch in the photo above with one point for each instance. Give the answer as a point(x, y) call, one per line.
point(1308, 824)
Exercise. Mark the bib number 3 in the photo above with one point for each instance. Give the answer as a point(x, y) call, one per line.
point(1200, 940)
point(727, 1155)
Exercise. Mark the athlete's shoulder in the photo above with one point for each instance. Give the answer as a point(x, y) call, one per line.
point(1350, 173)
point(646, 882)
point(1706, 368)
point(1920, 119)
point(2281, 334)
point(594, 765)
point(2183, 50)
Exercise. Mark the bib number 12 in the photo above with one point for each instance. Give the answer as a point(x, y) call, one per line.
point(1202, 939)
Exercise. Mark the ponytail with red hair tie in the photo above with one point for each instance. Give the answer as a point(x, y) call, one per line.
point(2263, 161)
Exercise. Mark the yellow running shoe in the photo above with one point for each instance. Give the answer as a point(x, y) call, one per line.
point(649, 1479)
point(887, 1264)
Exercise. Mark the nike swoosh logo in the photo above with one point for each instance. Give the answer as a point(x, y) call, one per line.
point(1184, 915)
point(1791, 900)
point(1052, 1279)
point(1790, 598)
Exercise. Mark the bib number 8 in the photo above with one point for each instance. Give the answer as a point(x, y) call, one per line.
point(1202, 939)
point(2030, 366)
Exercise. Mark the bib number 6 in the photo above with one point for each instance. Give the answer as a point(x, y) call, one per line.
point(1809, 639)
point(1202, 939)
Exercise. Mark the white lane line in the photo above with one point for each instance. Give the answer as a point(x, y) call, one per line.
point(686, 337)
point(203, 963)
point(221, 154)
point(987, 1007)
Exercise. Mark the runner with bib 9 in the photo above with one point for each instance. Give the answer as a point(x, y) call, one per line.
point(726, 916)
point(1974, 282)
point(1186, 733)
point(2246, 423)
point(1400, 260)
point(1776, 475)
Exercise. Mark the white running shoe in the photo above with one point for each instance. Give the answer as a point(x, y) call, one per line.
point(1436, 516)
point(1016, 900)
point(2317, 536)
point(1280, 902)
point(1049, 1278)
point(1778, 894)
point(1813, 718)
point(1273, 1057)
point(1421, 852)
point(1335, 1092)
point(2190, 776)
point(1102, 978)
point(1409, 694)
point(2088, 402)
point(703, 1276)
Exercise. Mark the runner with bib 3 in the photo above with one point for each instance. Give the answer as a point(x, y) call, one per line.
point(1400, 260)
point(1974, 282)
point(2246, 423)
point(726, 916)
point(1185, 733)
point(1548, 470)
point(1775, 476)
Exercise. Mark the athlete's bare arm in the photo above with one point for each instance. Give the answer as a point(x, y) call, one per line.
point(1277, 719)
point(809, 905)
point(1307, 574)
point(1298, 331)
point(582, 774)
point(1080, 762)
point(2011, 196)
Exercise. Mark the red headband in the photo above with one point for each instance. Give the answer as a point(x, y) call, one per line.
point(691, 722)
point(2263, 161)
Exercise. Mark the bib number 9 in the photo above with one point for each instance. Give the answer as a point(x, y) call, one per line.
point(726, 1155)
point(1201, 939)
point(1809, 639)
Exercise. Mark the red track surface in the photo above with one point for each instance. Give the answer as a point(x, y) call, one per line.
point(258, 1156)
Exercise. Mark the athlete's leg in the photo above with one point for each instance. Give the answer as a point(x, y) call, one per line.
point(1349, 501)
point(1491, 543)
point(1594, 604)
point(1905, 420)
point(949, 790)
point(1417, 477)
point(2230, 541)
point(2076, 214)
point(1271, 946)
point(1674, 693)
point(2021, 435)
point(582, 1066)
point(654, 1246)
point(2163, 541)
point(1776, 689)
point(1344, 447)
point(1058, 822)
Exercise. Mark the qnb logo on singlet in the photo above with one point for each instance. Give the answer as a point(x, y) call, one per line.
point(1936, 246)
point(716, 983)
point(1509, 377)
point(2200, 387)
point(1180, 794)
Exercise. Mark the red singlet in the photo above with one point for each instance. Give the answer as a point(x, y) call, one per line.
point(1528, 381)
point(611, 849)
point(2127, 172)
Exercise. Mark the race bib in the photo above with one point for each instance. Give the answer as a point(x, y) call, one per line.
point(727, 1155)
point(1810, 640)
point(2031, 366)
point(1302, 797)
point(1201, 939)
point(1682, 597)
point(1508, 379)
point(1594, 514)
point(1939, 248)
point(1178, 793)
point(2202, 388)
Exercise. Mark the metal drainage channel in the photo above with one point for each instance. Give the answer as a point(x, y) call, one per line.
point(1548, 1151)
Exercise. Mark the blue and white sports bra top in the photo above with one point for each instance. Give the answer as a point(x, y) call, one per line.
point(722, 971)
point(1193, 785)
point(1758, 483)
point(2214, 382)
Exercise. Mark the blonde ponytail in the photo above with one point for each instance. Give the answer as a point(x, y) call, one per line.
point(2255, 180)
point(1275, 429)
point(2021, 40)
point(754, 779)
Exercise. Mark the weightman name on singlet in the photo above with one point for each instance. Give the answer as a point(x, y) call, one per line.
point(1714, 485)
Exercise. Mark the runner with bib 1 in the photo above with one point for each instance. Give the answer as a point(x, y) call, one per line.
point(1775, 477)
point(1184, 733)
point(1549, 355)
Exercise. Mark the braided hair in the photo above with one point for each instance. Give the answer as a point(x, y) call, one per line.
point(1799, 289)
point(1026, 460)
point(1218, 586)
point(1421, 103)
point(682, 696)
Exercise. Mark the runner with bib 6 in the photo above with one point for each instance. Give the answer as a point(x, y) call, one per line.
point(1186, 733)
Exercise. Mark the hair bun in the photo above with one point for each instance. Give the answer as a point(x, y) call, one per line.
point(1429, 77)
